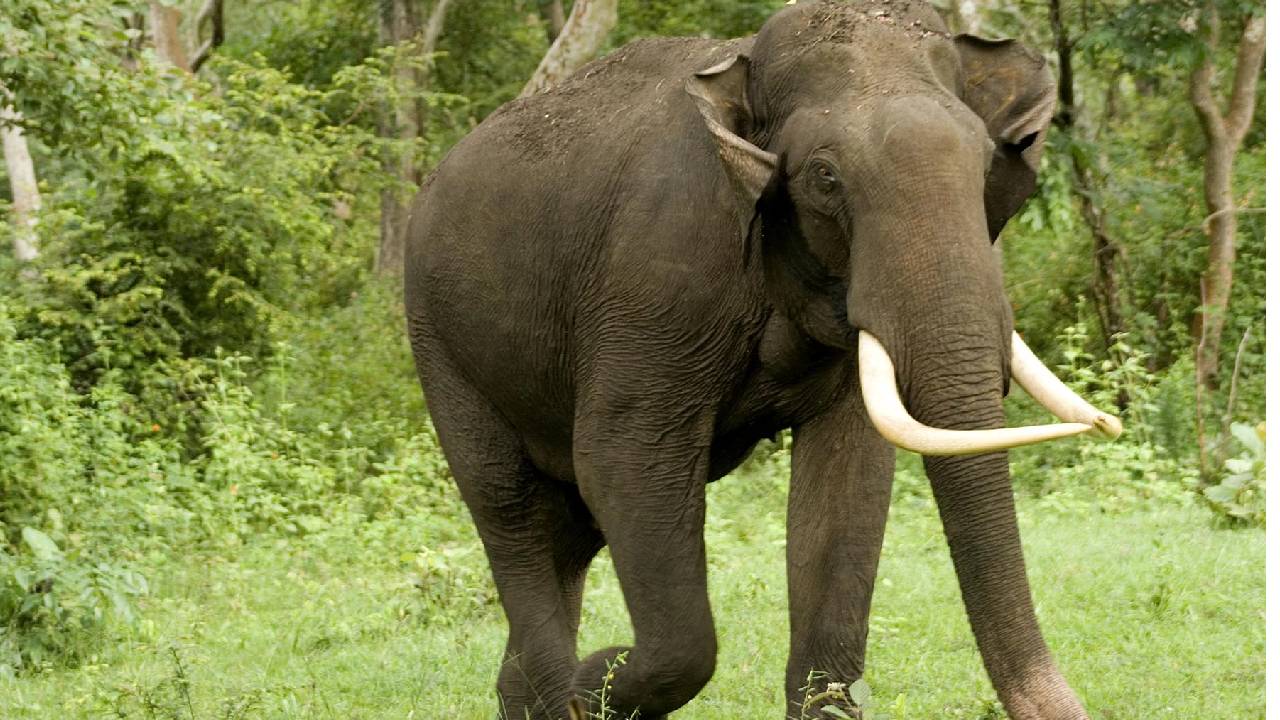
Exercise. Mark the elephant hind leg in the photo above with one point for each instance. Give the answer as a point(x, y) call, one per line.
point(539, 539)
point(541, 588)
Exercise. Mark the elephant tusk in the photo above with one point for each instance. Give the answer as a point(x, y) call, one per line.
point(891, 419)
point(1041, 384)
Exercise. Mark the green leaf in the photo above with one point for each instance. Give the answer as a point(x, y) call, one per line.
point(1249, 437)
point(1220, 494)
point(860, 692)
point(1239, 466)
point(42, 546)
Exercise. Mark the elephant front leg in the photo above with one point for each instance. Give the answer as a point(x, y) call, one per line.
point(841, 481)
point(647, 491)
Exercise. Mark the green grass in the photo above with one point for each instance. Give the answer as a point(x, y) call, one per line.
point(1153, 613)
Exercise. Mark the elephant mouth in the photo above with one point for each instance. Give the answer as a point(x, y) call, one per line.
point(890, 417)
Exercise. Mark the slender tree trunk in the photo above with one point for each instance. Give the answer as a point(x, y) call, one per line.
point(1223, 135)
point(584, 33)
point(22, 180)
point(552, 12)
point(400, 24)
point(133, 48)
point(1106, 287)
point(401, 123)
point(164, 33)
point(211, 12)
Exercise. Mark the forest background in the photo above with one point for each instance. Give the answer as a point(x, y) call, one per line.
point(220, 495)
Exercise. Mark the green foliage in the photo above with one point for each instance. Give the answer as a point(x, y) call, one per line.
point(216, 216)
point(1155, 458)
point(1157, 38)
point(54, 605)
point(312, 40)
point(57, 59)
point(490, 49)
point(708, 18)
point(267, 476)
point(450, 584)
point(1241, 495)
point(1046, 250)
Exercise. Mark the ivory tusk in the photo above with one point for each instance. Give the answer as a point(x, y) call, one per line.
point(891, 419)
point(1041, 384)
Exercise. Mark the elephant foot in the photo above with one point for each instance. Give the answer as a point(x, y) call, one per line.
point(620, 682)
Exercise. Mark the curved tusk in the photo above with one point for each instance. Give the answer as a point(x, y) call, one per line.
point(891, 419)
point(1041, 384)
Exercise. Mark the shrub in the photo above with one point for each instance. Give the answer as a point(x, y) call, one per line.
point(212, 220)
point(1241, 495)
point(54, 605)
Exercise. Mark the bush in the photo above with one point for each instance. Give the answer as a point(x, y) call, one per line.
point(1241, 495)
point(215, 218)
point(54, 606)
point(1155, 457)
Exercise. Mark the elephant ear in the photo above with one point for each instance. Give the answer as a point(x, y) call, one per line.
point(720, 94)
point(1013, 90)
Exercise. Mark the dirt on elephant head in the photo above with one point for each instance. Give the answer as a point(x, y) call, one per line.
point(842, 22)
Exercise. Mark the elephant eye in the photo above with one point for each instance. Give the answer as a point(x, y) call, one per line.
point(825, 177)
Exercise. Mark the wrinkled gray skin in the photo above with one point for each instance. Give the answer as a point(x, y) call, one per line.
point(617, 288)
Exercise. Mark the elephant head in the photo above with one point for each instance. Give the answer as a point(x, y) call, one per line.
point(874, 158)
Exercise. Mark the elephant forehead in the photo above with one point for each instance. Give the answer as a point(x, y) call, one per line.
point(871, 131)
point(870, 56)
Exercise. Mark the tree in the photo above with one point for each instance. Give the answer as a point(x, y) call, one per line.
point(211, 11)
point(584, 33)
point(165, 20)
point(552, 12)
point(399, 25)
point(22, 180)
point(967, 15)
point(1223, 135)
point(1086, 168)
point(170, 47)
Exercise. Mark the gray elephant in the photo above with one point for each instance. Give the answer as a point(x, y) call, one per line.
point(616, 288)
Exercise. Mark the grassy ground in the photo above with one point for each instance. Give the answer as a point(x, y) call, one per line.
point(1152, 614)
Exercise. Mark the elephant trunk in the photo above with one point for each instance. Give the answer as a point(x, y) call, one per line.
point(953, 379)
point(956, 381)
point(975, 501)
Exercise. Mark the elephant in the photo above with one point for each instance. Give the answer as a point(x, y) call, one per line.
point(616, 288)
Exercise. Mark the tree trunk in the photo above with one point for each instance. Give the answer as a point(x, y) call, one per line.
point(212, 12)
point(400, 24)
point(1106, 288)
point(133, 48)
point(1223, 135)
point(22, 179)
point(401, 124)
point(552, 12)
point(583, 35)
point(164, 33)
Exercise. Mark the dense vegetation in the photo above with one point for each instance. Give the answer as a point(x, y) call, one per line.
point(210, 422)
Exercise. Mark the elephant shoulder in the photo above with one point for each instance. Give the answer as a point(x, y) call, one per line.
point(637, 88)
